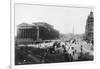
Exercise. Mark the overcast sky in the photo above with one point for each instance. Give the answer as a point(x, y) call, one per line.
point(64, 19)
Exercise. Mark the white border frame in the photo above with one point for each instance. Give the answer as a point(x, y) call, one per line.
point(12, 20)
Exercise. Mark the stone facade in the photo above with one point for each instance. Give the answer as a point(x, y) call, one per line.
point(36, 32)
point(89, 28)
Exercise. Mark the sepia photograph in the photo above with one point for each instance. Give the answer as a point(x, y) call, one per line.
point(52, 34)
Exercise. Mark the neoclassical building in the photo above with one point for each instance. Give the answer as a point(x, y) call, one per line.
point(35, 32)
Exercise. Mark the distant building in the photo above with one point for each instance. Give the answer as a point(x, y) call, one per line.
point(89, 28)
point(35, 32)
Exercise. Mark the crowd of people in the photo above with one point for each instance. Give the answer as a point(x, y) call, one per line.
point(54, 51)
point(75, 48)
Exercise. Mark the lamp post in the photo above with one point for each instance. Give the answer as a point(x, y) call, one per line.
point(37, 33)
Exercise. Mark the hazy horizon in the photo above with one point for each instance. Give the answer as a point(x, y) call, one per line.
point(64, 19)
